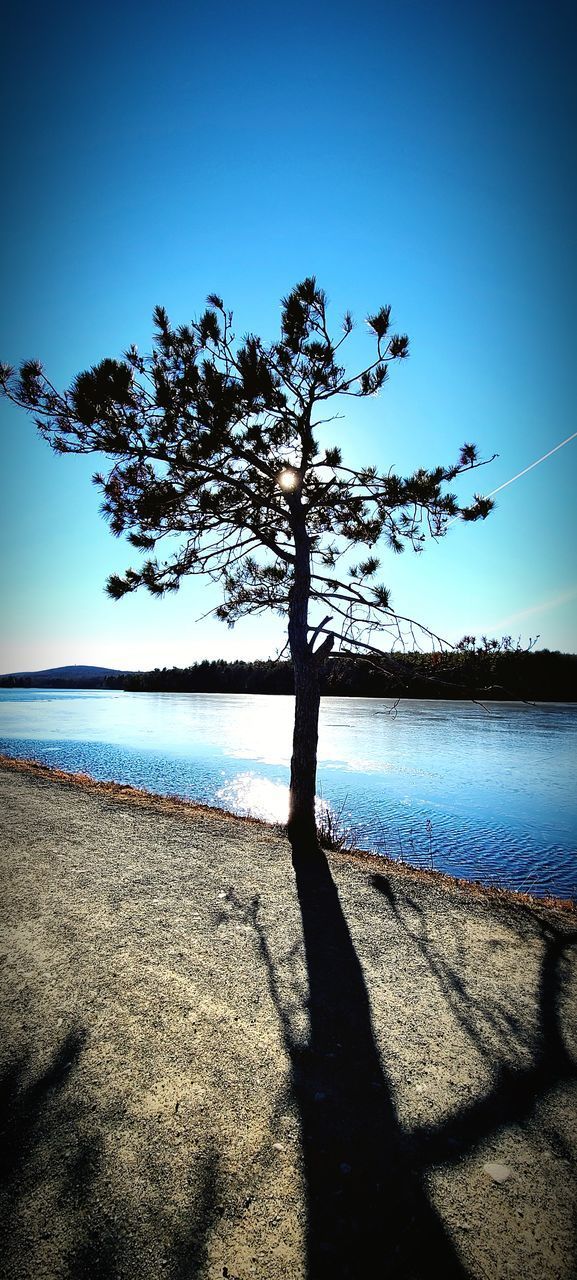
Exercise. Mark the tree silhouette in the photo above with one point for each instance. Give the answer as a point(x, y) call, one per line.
point(216, 444)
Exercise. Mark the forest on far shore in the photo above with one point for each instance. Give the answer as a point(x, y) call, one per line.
point(493, 671)
point(494, 674)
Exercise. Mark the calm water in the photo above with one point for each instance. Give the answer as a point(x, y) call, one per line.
point(485, 794)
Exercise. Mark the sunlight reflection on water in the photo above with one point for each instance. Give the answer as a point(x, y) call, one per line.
point(254, 797)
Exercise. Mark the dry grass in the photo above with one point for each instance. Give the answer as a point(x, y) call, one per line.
point(138, 796)
point(493, 893)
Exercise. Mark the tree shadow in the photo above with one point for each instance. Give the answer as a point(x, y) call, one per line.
point(365, 1174)
point(365, 1197)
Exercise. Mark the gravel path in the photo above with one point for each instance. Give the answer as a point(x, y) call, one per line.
point(217, 1065)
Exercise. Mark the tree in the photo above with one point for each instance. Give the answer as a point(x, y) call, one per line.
point(215, 447)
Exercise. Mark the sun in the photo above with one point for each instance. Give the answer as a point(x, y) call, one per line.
point(288, 479)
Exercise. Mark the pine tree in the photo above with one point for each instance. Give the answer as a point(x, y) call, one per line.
point(219, 444)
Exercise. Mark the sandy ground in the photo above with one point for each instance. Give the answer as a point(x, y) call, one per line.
point(217, 1065)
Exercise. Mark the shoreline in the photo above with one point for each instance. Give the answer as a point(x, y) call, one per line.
point(264, 693)
point(173, 803)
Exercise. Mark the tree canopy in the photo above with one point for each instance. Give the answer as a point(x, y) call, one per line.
point(221, 466)
point(212, 442)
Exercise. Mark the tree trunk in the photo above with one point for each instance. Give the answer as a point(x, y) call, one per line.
point(302, 819)
point(302, 827)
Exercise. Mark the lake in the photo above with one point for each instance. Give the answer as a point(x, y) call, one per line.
point(484, 793)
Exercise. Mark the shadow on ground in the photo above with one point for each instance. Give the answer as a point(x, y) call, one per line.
point(58, 1215)
point(515, 1091)
point(365, 1176)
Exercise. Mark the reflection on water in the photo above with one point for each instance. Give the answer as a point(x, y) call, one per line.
point(255, 797)
point(482, 793)
point(248, 794)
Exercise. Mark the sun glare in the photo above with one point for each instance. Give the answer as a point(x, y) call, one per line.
point(288, 479)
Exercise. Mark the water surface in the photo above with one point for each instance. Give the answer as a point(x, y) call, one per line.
point(485, 793)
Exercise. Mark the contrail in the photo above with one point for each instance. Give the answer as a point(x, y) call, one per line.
point(521, 473)
point(531, 465)
point(562, 597)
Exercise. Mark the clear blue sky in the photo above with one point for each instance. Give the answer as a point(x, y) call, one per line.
point(419, 154)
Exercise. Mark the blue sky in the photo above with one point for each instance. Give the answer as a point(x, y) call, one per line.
point(418, 154)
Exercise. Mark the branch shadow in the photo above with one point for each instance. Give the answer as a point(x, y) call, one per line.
point(516, 1090)
point(59, 1213)
point(24, 1122)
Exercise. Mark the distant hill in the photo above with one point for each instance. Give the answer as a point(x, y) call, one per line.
point(71, 677)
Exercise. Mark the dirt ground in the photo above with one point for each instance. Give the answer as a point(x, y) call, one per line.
point(218, 1064)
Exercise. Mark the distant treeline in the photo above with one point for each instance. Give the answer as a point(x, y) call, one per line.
point(517, 675)
point(487, 672)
